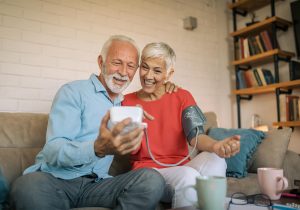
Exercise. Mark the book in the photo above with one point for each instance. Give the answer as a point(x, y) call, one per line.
point(295, 108)
point(241, 42)
point(282, 104)
point(261, 49)
point(262, 43)
point(246, 48)
point(251, 46)
point(261, 76)
point(255, 45)
point(253, 79)
point(291, 107)
point(267, 40)
point(287, 108)
point(276, 206)
point(241, 79)
point(248, 79)
point(258, 80)
point(268, 76)
point(299, 114)
point(294, 70)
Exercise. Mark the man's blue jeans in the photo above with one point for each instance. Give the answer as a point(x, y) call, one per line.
point(136, 190)
point(3, 189)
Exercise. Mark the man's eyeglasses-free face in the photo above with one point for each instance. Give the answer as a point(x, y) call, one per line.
point(119, 63)
point(256, 199)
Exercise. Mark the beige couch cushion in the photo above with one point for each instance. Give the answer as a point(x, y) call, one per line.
point(22, 135)
point(212, 122)
point(272, 150)
point(247, 185)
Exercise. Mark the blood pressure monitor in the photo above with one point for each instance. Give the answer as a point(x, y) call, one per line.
point(119, 113)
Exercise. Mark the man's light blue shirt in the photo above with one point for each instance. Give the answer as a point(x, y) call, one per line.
point(73, 126)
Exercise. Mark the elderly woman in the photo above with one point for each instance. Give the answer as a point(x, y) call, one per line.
point(177, 121)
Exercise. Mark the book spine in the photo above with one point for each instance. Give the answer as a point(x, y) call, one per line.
point(267, 40)
point(287, 106)
point(241, 41)
point(246, 48)
point(241, 79)
point(268, 76)
point(261, 49)
point(253, 80)
point(282, 102)
point(261, 76)
point(255, 44)
point(259, 82)
point(295, 108)
point(262, 42)
point(248, 78)
point(251, 46)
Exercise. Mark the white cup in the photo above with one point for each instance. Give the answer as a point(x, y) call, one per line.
point(272, 182)
point(211, 192)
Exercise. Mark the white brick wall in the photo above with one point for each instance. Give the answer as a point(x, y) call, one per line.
point(46, 43)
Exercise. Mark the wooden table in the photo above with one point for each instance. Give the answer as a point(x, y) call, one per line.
point(282, 200)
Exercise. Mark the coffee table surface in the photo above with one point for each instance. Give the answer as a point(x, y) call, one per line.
point(232, 207)
point(283, 200)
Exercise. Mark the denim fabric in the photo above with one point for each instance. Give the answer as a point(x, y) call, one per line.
point(3, 189)
point(135, 190)
point(73, 126)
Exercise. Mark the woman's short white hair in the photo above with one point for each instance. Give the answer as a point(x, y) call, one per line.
point(122, 38)
point(160, 50)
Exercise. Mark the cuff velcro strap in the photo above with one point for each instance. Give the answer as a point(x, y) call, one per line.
point(192, 118)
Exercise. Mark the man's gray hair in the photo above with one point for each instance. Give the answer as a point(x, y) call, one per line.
point(123, 38)
point(160, 50)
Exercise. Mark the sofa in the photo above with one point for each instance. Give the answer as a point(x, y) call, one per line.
point(22, 135)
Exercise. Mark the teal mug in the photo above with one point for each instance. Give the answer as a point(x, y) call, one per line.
point(211, 192)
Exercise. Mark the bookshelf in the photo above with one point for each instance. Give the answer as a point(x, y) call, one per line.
point(268, 88)
point(263, 58)
point(287, 124)
point(262, 25)
point(243, 62)
point(248, 5)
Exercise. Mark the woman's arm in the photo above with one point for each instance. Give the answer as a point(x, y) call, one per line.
point(226, 148)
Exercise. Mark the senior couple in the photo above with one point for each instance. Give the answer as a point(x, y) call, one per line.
point(72, 169)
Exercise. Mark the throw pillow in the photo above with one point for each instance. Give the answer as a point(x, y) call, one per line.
point(272, 150)
point(238, 165)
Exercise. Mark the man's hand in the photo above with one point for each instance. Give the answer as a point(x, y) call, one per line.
point(112, 142)
point(227, 147)
point(171, 87)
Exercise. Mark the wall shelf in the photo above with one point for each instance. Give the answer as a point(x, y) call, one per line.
point(263, 58)
point(248, 5)
point(287, 124)
point(260, 26)
point(268, 88)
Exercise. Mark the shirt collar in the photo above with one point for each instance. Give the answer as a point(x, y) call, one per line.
point(100, 88)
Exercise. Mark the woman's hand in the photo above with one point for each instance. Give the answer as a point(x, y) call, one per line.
point(227, 147)
point(146, 114)
point(171, 87)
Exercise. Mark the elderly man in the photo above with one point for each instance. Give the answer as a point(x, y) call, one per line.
point(72, 168)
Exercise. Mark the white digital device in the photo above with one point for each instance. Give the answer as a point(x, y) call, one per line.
point(119, 113)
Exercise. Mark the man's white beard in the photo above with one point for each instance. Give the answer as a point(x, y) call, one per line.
point(111, 85)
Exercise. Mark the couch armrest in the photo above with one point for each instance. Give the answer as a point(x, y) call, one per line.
point(291, 167)
point(211, 118)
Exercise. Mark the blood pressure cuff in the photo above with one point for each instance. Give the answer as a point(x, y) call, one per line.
point(192, 118)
